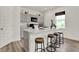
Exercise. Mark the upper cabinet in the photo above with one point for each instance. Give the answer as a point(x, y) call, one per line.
point(26, 11)
point(26, 14)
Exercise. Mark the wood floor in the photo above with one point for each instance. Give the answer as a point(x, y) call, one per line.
point(69, 46)
point(18, 46)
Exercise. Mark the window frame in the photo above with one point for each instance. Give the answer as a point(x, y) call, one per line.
point(60, 14)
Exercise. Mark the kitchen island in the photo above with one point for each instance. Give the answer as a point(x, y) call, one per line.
point(31, 34)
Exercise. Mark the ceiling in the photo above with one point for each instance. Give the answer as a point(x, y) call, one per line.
point(41, 8)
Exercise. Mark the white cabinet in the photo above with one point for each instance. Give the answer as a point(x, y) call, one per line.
point(22, 27)
point(31, 13)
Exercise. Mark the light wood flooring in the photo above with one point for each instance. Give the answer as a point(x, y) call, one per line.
point(69, 46)
point(18, 46)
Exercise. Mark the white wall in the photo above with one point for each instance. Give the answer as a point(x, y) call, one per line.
point(47, 18)
point(10, 22)
point(72, 21)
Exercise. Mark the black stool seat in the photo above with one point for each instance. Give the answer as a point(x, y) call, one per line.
point(60, 32)
point(56, 34)
point(50, 35)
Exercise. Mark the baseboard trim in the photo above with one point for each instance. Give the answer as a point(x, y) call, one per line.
point(71, 39)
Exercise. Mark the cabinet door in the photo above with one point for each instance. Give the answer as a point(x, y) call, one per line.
point(41, 20)
point(26, 41)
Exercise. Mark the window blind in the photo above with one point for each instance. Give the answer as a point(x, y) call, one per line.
point(60, 13)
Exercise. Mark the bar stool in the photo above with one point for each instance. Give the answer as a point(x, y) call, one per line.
point(39, 41)
point(57, 39)
point(61, 37)
point(52, 43)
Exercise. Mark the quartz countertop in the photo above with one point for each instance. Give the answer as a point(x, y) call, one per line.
point(30, 30)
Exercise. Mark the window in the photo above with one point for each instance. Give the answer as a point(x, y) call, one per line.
point(60, 20)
